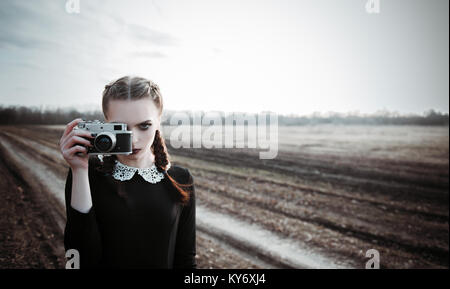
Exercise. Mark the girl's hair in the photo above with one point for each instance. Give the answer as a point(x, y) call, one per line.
point(134, 88)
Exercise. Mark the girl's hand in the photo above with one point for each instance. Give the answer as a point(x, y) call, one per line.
point(73, 145)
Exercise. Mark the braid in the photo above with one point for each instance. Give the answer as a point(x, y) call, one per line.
point(134, 88)
point(161, 162)
point(160, 152)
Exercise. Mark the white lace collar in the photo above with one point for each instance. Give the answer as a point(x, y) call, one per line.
point(123, 172)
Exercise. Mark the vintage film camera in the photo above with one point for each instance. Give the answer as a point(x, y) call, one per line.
point(110, 138)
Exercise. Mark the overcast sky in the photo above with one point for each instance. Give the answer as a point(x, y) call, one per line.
point(231, 55)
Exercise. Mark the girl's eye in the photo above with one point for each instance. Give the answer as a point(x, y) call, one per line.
point(145, 125)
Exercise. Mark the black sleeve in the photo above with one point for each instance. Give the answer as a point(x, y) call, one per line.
point(81, 231)
point(185, 247)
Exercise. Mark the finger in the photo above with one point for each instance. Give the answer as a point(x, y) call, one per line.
point(83, 133)
point(78, 148)
point(76, 140)
point(78, 132)
point(69, 128)
point(71, 125)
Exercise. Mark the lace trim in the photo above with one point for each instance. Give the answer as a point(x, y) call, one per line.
point(123, 172)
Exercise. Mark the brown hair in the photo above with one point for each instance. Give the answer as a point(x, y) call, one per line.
point(134, 88)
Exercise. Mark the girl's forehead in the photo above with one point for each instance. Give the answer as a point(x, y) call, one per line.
point(132, 111)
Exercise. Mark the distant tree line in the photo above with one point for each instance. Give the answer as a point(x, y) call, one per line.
point(430, 117)
point(33, 115)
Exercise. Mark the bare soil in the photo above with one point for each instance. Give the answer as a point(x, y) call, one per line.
point(388, 195)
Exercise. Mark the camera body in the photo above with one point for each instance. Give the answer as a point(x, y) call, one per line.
point(111, 138)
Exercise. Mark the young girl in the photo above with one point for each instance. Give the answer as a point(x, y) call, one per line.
point(129, 211)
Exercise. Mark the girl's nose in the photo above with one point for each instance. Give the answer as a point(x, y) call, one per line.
point(135, 137)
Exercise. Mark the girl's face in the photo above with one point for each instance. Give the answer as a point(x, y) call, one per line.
point(142, 118)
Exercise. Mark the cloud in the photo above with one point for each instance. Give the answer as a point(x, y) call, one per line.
point(148, 54)
point(22, 27)
point(216, 50)
point(10, 40)
point(149, 35)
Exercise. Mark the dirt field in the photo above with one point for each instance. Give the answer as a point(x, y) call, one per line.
point(337, 191)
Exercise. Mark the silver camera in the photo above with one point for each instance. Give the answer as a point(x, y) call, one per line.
point(110, 138)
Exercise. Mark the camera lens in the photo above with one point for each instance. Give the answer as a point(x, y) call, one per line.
point(103, 143)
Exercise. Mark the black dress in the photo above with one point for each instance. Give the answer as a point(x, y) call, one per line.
point(144, 227)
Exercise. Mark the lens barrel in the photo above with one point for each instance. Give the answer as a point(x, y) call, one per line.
point(105, 142)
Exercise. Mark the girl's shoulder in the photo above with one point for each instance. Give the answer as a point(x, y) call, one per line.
point(180, 173)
